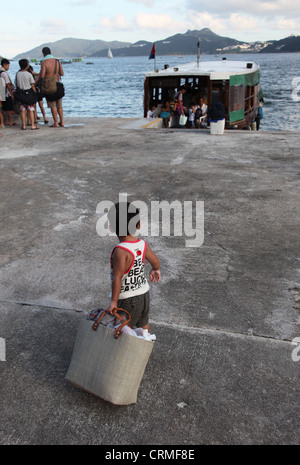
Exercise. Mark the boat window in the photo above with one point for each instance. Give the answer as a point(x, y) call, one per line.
point(237, 94)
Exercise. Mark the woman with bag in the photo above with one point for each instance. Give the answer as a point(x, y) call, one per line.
point(182, 119)
point(26, 94)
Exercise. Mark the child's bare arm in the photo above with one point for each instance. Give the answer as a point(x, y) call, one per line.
point(120, 264)
point(155, 263)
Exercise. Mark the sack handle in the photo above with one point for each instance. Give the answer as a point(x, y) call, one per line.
point(118, 331)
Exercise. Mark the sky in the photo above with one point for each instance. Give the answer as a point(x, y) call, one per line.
point(131, 20)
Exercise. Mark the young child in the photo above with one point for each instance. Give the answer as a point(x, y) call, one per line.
point(130, 289)
point(150, 112)
point(192, 116)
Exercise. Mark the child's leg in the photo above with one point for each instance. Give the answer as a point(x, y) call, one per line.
point(23, 115)
point(31, 118)
point(1, 117)
point(43, 110)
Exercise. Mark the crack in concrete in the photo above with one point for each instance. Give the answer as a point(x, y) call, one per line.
point(175, 326)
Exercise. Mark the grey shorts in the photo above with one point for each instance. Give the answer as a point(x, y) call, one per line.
point(138, 307)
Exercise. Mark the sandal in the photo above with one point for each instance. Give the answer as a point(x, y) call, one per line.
point(34, 129)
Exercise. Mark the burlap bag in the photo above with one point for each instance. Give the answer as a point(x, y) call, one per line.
point(106, 365)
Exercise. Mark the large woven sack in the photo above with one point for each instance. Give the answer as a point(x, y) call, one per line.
point(106, 365)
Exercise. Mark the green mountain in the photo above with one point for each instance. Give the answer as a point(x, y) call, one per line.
point(71, 48)
point(179, 44)
point(288, 45)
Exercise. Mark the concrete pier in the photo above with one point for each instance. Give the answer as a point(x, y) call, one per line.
point(224, 369)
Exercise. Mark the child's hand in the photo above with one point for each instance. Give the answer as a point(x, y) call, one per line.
point(154, 275)
point(112, 306)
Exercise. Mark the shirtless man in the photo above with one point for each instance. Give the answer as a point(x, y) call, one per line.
point(48, 67)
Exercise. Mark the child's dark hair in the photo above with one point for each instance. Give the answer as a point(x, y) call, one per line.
point(4, 61)
point(23, 63)
point(123, 218)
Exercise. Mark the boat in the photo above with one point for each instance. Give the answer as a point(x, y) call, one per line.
point(236, 84)
point(110, 55)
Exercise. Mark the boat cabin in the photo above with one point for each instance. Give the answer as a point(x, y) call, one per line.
point(233, 83)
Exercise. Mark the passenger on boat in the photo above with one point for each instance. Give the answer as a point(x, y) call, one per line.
point(166, 113)
point(192, 111)
point(181, 108)
point(201, 114)
point(150, 112)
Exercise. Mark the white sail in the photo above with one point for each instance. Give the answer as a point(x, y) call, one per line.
point(110, 55)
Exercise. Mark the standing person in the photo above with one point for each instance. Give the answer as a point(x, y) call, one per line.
point(25, 81)
point(51, 67)
point(130, 289)
point(181, 108)
point(2, 98)
point(36, 77)
point(8, 103)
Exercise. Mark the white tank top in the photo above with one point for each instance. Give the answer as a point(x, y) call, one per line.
point(134, 281)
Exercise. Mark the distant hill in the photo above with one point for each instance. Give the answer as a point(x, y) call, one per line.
point(179, 44)
point(288, 45)
point(71, 48)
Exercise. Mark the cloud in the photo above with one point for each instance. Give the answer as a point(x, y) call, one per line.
point(242, 23)
point(143, 2)
point(235, 22)
point(259, 8)
point(118, 22)
point(285, 24)
point(83, 3)
point(202, 20)
point(53, 26)
point(163, 22)
point(144, 21)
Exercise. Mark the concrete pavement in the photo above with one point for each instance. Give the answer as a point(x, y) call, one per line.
point(224, 314)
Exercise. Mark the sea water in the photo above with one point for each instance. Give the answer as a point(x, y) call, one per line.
point(114, 88)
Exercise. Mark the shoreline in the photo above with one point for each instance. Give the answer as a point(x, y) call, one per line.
point(137, 123)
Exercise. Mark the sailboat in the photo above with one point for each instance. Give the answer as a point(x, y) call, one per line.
point(110, 55)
